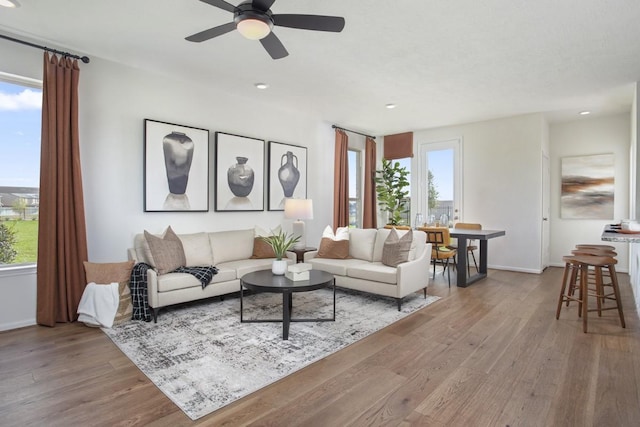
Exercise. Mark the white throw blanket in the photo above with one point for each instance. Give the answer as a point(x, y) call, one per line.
point(99, 304)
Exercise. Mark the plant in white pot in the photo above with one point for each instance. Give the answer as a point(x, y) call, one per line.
point(280, 242)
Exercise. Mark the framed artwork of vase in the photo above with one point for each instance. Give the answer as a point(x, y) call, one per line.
point(287, 174)
point(239, 177)
point(176, 168)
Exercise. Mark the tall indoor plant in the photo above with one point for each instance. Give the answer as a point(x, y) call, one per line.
point(280, 242)
point(391, 183)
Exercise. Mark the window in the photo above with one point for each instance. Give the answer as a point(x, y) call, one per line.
point(355, 188)
point(20, 133)
point(406, 163)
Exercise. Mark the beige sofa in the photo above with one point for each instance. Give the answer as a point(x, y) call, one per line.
point(364, 270)
point(229, 251)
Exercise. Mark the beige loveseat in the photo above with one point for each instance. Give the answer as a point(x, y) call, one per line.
point(229, 251)
point(364, 270)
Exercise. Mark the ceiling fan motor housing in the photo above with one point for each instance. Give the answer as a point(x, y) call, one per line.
point(247, 11)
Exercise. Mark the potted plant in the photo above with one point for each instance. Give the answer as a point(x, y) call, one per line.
point(391, 183)
point(280, 242)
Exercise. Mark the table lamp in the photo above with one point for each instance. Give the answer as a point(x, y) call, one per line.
point(299, 209)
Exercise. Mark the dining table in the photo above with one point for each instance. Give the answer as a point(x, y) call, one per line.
point(463, 236)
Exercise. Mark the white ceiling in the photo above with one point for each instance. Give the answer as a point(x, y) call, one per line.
point(442, 62)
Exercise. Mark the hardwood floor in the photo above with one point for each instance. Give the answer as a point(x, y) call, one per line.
point(492, 354)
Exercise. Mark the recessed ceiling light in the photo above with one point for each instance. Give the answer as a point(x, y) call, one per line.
point(261, 85)
point(585, 113)
point(390, 106)
point(9, 3)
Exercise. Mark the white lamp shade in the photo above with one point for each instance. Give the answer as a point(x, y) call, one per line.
point(298, 209)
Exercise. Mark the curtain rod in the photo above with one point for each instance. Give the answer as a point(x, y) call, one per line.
point(84, 59)
point(353, 131)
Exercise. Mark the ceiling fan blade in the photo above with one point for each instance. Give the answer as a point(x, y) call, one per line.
point(221, 4)
point(263, 5)
point(274, 46)
point(310, 22)
point(212, 32)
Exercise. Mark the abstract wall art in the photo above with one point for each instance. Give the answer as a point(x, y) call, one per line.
point(587, 187)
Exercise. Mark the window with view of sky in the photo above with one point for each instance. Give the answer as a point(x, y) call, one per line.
point(20, 117)
point(20, 133)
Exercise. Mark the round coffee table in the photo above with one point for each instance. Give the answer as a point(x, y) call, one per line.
point(266, 281)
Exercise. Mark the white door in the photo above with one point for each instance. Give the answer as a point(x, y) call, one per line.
point(440, 162)
point(546, 188)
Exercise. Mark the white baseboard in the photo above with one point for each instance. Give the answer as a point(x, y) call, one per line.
point(16, 325)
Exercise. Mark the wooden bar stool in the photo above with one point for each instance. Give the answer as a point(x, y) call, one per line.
point(588, 245)
point(588, 251)
point(581, 264)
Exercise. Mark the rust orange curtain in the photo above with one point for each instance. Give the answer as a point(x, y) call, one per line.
point(341, 181)
point(62, 241)
point(369, 210)
point(398, 146)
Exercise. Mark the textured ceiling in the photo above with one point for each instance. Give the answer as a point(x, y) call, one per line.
point(441, 62)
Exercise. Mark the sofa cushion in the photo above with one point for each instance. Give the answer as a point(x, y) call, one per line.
point(335, 266)
point(167, 251)
point(231, 245)
point(396, 249)
point(375, 272)
point(361, 243)
point(250, 265)
point(177, 281)
point(197, 249)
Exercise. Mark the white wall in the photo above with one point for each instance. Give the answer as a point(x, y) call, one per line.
point(634, 209)
point(582, 138)
point(114, 100)
point(502, 184)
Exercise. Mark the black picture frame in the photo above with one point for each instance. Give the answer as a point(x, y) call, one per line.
point(176, 167)
point(284, 160)
point(239, 177)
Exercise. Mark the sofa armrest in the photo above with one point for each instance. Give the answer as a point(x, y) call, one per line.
point(414, 275)
point(132, 256)
point(152, 287)
point(292, 256)
point(310, 255)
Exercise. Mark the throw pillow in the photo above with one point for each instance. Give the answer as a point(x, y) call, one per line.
point(342, 233)
point(262, 249)
point(334, 249)
point(118, 272)
point(107, 272)
point(396, 249)
point(167, 251)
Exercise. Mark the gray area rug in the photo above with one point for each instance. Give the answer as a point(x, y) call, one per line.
point(203, 358)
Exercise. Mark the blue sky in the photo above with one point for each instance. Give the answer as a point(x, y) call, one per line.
point(20, 117)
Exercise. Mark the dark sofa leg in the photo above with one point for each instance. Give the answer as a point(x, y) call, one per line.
point(425, 292)
point(155, 315)
point(399, 300)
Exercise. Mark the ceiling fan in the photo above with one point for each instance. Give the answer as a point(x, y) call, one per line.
point(254, 20)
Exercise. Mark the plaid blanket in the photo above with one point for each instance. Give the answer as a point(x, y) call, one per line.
point(138, 285)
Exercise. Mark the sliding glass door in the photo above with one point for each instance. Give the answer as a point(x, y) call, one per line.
point(440, 185)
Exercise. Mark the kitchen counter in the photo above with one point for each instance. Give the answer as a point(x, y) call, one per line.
point(614, 234)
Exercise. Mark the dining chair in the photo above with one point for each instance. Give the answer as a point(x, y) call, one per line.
point(471, 244)
point(440, 240)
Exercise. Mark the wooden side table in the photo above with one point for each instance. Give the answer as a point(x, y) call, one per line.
point(300, 253)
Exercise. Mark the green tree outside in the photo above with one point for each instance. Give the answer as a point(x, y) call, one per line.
point(20, 207)
point(432, 190)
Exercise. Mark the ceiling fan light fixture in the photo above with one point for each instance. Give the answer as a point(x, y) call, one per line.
point(9, 3)
point(253, 29)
